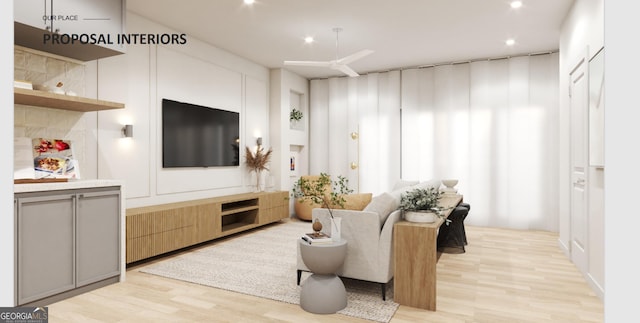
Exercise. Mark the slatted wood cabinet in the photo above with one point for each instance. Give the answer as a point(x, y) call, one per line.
point(158, 229)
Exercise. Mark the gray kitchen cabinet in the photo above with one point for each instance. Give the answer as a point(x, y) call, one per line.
point(102, 18)
point(98, 21)
point(33, 12)
point(66, 240)
point(97, 236)
point(45, 246)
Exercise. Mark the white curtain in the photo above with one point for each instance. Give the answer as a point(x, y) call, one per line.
point(368, 106)
point(493, 126)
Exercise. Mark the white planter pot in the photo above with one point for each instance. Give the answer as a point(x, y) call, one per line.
point(420, 216)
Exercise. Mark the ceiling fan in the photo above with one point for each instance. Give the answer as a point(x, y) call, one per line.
point(338, 64)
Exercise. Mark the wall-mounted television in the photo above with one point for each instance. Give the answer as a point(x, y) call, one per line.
point(199, 136)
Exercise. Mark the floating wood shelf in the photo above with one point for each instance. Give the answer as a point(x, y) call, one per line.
point(61, 101)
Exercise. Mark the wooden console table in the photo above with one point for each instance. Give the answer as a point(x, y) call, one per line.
point(154, 230)
point(415, 257)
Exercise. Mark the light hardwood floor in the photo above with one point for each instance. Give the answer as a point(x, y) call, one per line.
point(504, 276)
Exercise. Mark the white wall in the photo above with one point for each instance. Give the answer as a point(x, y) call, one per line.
point(582, 35)
point(286, 141)
point(194, 72)
point(623, 174)
point(7, 233)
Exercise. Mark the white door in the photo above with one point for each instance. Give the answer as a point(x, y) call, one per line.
point(579, 96)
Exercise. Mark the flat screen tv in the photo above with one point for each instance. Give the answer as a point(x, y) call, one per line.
point(199, 136)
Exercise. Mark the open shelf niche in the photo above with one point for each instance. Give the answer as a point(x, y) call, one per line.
point(237, 215)
point(295, 102)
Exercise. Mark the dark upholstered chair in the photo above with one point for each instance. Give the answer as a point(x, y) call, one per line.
point(452, 237)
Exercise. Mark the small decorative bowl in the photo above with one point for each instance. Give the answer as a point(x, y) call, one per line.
point(449, 183)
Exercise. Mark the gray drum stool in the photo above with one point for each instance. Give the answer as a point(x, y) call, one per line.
point(323, 292)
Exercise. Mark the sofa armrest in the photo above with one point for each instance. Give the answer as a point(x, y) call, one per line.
point(385, 252)
point(387, 229)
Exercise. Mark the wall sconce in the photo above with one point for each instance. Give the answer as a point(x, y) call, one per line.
point(259, 141)
point(127, 131)
point(354, 135)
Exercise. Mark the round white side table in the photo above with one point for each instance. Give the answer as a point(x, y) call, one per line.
point(323, 292)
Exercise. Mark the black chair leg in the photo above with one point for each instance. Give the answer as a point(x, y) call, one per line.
point(299, 276)
point(384, 291)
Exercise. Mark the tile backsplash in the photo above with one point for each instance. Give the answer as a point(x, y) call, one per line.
point(40, 70)
point(36, 122)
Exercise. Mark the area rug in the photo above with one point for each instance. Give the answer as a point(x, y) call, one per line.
point(263, 263)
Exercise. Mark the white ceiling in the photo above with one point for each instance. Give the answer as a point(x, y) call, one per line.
point(403, 33)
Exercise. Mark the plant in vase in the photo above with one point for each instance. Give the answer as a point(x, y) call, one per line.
point(257, 162)
point(323, 191)
point(295, 115)
point(422, 205)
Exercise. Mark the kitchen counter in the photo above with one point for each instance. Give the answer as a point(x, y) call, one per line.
point(72, 184)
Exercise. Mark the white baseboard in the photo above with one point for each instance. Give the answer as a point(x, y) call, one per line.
point(565, 249)
point(595, 286)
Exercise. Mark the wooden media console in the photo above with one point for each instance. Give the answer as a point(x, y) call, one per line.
point(158, 229)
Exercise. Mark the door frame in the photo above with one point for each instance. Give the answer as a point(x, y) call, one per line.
point(580, 260)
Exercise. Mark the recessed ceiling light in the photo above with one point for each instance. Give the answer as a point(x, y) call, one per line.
point(510, 42)
point(308, 39)
point(249, 1)
point(516, 4)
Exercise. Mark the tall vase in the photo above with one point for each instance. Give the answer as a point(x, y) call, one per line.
point(258, 173)
point(336, 229)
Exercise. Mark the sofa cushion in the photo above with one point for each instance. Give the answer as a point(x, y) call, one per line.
point(403, 183)
point(357, 201)
point(397, 194)
point(435, 183)
point(382, 204)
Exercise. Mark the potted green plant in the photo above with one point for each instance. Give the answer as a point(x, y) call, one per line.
point(324, 192)
point(295, 115)
point(422, 205)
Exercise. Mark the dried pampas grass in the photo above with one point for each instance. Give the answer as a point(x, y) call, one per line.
point(259, 160)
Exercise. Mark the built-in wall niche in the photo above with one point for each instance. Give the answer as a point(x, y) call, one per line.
point(297, 111)
point(298, 166)
point(297, 162)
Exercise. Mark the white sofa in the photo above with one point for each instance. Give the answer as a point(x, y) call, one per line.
point(369, 235)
